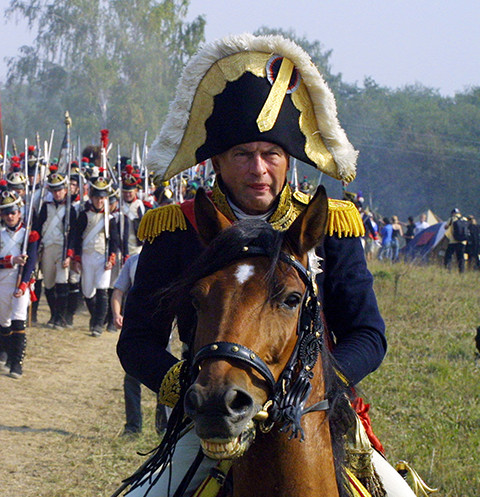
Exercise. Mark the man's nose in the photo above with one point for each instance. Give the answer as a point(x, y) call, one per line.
point(258, 164)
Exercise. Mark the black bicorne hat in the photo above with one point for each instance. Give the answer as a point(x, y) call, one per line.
point(243, 89)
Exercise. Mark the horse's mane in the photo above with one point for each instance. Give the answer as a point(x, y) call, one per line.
point(225, 249)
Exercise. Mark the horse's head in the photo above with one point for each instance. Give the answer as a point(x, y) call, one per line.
point(248, 310)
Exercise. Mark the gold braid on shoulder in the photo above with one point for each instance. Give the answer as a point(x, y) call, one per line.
point(344, 219)
point(165, 218)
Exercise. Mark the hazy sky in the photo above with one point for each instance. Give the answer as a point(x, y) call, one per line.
point(396, 42)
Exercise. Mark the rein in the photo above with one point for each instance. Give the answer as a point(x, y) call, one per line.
point(290, 392)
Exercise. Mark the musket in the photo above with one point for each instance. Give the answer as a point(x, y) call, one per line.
point(37, 166)
point(81, 186)
point(25, 168)
point(144, 167)
point(43, 174)
point(50, 144)
point(106, 210)
point(4, 165)
point(28, 227)
point(120, 203)
point(14, 147)
point(68, 206)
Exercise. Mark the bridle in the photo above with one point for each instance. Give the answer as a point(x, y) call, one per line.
point(289, 394)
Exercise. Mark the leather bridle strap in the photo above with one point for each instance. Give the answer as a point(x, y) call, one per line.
point(235, 351)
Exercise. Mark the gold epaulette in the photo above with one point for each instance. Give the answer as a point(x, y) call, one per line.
point(344, 219)
point(165, 218)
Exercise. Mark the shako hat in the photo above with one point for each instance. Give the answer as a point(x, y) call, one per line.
point(245, 88)
point(32, 159)
point(100, 186)
point(15, 178)
point(56, 180)
point(10, 201)
point(130, 179)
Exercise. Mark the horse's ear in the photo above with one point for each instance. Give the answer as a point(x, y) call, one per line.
point(308, 229)
point(210, 221)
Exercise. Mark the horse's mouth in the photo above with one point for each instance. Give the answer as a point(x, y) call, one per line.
point(231, 448)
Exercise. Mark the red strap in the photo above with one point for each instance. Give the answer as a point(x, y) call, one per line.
point(362, 410)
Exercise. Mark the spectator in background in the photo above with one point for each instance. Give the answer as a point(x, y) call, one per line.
point(397, 233)
point(131, 386)
point(456, 230)
point(422, 224)
point(409, 234)
point(473, 243)
point(386, 233)
point(372, 240)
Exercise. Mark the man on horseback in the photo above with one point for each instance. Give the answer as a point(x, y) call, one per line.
point(250, 112)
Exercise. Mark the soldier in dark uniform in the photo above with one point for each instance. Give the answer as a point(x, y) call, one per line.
point(96, 243)
point(250, 134)
point(57, 247)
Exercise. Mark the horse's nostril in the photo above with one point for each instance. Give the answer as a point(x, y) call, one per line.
point(238, 401)
point(192, 401)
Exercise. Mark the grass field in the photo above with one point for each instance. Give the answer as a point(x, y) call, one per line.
point(425, 397)
point(60, 424)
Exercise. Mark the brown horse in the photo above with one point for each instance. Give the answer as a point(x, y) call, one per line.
point(262, 369)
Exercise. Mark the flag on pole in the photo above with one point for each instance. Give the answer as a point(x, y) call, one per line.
point(63, 156)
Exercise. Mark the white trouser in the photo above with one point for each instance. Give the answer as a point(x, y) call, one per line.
point(11, 308)
point(94, 275)
point(52, 266)
point(188, 446)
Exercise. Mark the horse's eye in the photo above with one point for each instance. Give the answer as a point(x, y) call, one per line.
point(292, 300)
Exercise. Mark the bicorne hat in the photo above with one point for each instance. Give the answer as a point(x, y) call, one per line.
point(243, 89)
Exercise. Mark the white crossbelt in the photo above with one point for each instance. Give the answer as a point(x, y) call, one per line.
point(56, 219)
point(93, 232)
point(11, 241)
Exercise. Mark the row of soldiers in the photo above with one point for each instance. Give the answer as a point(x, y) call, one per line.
point(68, 235)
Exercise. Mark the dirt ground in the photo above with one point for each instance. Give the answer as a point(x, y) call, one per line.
point(60, 423)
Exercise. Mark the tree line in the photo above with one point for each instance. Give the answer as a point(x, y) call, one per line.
point(114, 64)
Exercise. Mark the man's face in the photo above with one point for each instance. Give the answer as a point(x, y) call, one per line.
point(129, 195)
point(74, 188)
point(98, 202)
point(59, 195)
point(12, 218)
point(254, 174)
